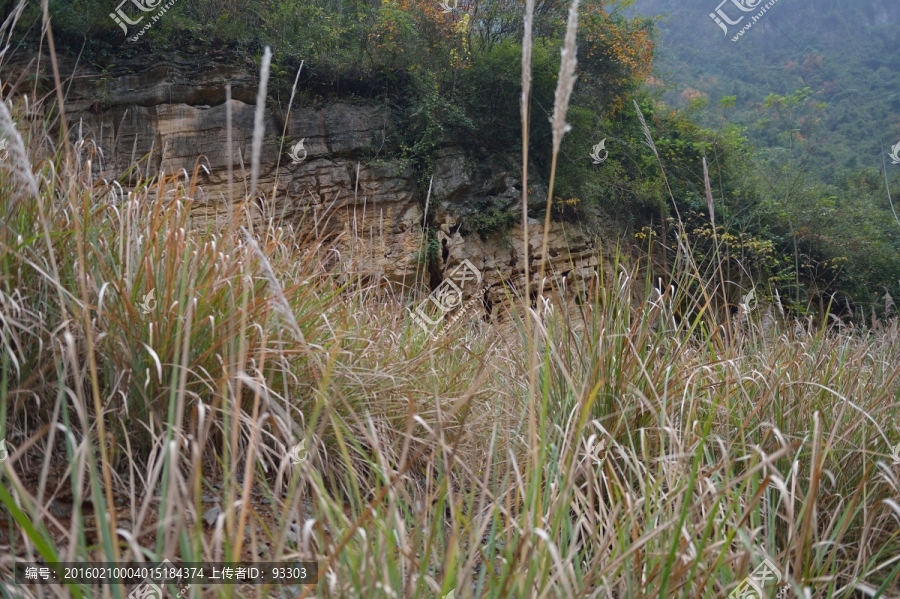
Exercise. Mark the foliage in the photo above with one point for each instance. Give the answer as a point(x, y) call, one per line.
point(845, 54)
point(426, 122)
point(426, 470)
point(431, 250)
point(487, 218)
point(604, 449)
point(491, 89)
point(814, 92)
point(453, 78)
point(613, 53)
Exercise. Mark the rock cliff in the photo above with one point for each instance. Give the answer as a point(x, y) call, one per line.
point(171, 117)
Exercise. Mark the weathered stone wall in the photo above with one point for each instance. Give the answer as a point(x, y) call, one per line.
point(350, 188)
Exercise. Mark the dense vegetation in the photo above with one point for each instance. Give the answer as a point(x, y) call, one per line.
point(844, 52)
point(800, 200)
point(613, 448)
point(815, 88)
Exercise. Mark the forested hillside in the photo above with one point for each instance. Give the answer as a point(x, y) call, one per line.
point(815, 87)
point(845, 51)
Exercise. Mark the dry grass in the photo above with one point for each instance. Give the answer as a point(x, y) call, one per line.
point(670, 458)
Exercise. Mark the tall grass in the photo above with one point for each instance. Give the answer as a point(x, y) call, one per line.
point(667, 455)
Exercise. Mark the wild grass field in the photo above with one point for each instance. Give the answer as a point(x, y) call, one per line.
point(616, 447)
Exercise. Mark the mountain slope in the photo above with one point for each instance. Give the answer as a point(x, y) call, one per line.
point(845, 51)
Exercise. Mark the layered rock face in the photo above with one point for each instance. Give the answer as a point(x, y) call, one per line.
point(347, 188)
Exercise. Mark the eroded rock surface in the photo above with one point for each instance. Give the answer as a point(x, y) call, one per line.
point(350, 188)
